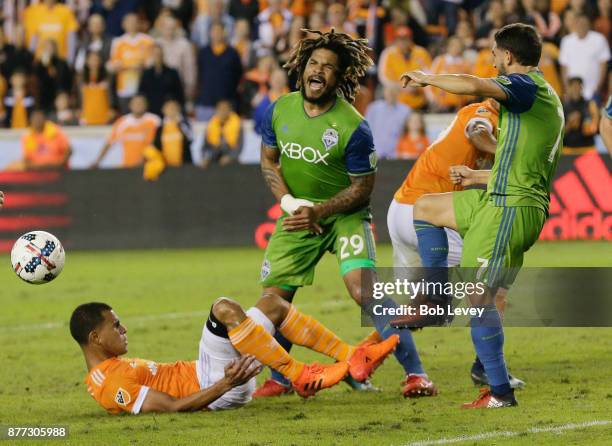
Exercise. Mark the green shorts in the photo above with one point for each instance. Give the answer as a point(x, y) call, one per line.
point(291, 257)
point(494, 237)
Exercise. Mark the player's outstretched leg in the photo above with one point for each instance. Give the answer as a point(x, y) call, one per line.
point(304, 330)
point(277, 384)
point(417, 383)
point(249, 337)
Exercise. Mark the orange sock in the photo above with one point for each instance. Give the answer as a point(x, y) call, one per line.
point(307, 331)
point(250, 338)
point(372, 337)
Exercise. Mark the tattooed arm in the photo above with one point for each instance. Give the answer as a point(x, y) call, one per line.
point(353, 197)
point(270, 168)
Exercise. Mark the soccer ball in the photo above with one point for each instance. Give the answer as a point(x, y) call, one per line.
point(38, 257)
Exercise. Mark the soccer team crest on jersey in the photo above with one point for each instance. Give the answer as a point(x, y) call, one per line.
point(265, 269)
point(330, 138)
point(123, 397)
point(373, 160)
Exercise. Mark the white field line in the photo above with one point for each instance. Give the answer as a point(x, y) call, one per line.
point(161, 316)
point(500, 434)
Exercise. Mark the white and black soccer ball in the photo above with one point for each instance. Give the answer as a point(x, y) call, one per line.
point(38, 257)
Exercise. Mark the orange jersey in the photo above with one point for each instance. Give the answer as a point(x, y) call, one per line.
point(47, 148)
point(135, 134)
point(430, 172)
point(54, 23)
point(393, 64)
point(131, 53)
point(123, 383)
point(410, 148)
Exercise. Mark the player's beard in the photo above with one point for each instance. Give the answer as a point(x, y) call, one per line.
point(325, 98)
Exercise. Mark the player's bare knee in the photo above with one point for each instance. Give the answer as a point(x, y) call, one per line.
point(423, 208)
point(228, 312)
point(274, 307)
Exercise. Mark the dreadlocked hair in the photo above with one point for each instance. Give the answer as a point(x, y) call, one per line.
point(352, 55)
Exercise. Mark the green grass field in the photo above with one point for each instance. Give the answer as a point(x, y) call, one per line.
point(163, 298)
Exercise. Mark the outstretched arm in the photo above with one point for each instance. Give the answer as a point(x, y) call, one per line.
point(236, 373)
point(464, 84)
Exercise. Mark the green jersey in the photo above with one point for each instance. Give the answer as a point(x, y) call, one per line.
point(529, 139)
point(318, 154)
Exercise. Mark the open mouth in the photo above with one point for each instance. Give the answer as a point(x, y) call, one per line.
point(316, 83)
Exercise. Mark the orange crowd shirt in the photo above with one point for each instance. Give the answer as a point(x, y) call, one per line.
point(132, 53)
point(430, 173)
point(53, 23)
point(122, 384)
point(135, 134)
point(48, 147)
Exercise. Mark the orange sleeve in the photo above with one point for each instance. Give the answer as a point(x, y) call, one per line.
point(71, 22)
point(114, 134)
point(123, 393)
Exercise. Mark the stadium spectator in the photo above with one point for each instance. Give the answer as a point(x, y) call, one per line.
point(160, 82)
point(219, 72)
point(547, 22)
point(45, 145)
point(114, 11)
point(603, 21)
point(50, 20)
point(202, 25)
point(401, 57)
point(605, 125)
point(582, 7)
point(18, 103)
point(223, 139)
point(52, 75)
point(173, 137)
point(581, 120)
point(243, 44)
point(95, 92)
point(179, 54)
point(399, 17)
point(514, 12)
point(414, 138)
point(274, 23)
point(494, 18)
point(548, 65)
point(337, 19)
point(255, 84)
point(585, 54)
point(483, 67)
point(135, 131)
point(465, 33)
point(95, 39)
point(278, 87)
point(449, 9)
point(63, 114)
point(182, 10)
point(386, 118)
point(19, 59)
point(130, 53)
point(244, 9)
point(452, 61)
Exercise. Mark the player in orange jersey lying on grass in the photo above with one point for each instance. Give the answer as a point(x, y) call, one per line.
point(233, 346)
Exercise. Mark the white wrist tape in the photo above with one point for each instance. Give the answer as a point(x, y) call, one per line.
point(290, 204)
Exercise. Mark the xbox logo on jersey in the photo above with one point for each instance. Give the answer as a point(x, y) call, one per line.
point(295, 151)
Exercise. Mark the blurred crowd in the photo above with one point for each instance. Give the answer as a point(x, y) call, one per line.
point(149, 63)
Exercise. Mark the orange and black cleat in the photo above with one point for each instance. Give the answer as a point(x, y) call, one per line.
point(272, 388)
point(369, 356)
point(316, 377)
point(486, 400)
